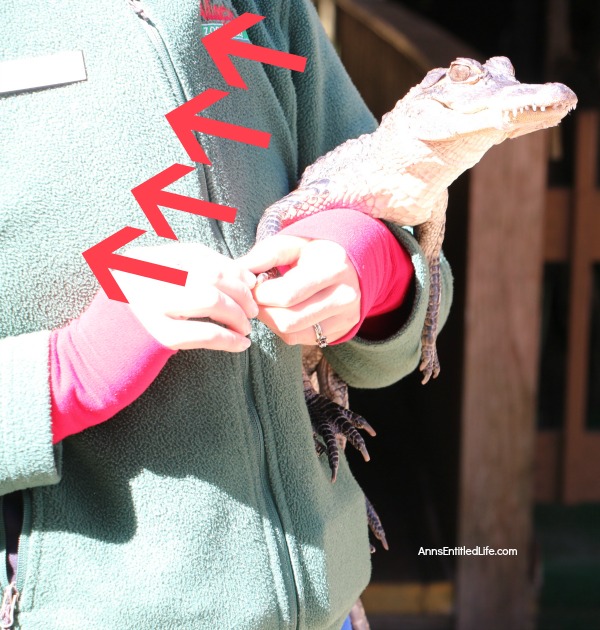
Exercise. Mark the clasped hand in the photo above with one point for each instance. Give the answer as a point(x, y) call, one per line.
point(221, 295)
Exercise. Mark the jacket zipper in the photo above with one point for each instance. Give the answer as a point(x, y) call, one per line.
point(271, 507)
point(11, 591)
point(270, 504)
point(169, 68)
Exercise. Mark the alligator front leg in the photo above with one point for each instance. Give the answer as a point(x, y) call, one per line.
point(431, 236)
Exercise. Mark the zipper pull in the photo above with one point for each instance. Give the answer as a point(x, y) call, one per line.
point(139, 8)
point(7, 609)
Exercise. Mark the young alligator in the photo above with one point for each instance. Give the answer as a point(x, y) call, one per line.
point(401, 173)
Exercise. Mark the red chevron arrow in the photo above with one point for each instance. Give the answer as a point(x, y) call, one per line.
point(101, 259)
point(150, 195)
point(221, 45)
point(184, 121)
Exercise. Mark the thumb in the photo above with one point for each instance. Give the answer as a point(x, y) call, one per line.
point(275, 251)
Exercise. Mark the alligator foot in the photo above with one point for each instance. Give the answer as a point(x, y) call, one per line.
point(375, 526)
point(430, 364)
point(330, 421)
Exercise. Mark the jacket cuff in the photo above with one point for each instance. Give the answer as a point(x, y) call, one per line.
point(27, 456)
point(371, 364)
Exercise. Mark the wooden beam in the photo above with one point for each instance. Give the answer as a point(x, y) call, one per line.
point(504, 279)
point(581, 455)
point(420, 41)
point(558, 225)
point(548, 450)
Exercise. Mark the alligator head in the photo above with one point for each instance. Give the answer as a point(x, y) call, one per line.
point(470, 97)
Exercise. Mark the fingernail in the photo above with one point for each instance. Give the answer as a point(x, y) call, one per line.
point(254, 310)
point(246, 343)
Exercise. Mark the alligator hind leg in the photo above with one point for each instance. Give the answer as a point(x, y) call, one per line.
point(334, 424)
point(331, 421)
point(430, 236)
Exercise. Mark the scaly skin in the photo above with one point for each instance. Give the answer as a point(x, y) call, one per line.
point(401, 173)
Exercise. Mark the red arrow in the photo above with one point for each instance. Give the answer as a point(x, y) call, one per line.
point(184, 121)
point(221, 45)
point(101, 258)
point(150, 195)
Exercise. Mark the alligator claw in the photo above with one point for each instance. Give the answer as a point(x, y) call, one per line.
point(430, 365)
point(330, 421)
point(375, 526)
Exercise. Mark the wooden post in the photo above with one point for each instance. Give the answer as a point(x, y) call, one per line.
point(581, 463)
point(504, 272)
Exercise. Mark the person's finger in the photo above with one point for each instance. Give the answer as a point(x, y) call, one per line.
point(342, 301)
point(190, 335)
point(320, 264)
point(194, 258)
point(155, 295)
point(333, 328)
point(275, 251)
point(299, 284)
point(211, 303)
point(232, 286)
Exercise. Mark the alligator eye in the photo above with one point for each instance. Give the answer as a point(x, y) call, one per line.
point(461, 73)
point(503, 64)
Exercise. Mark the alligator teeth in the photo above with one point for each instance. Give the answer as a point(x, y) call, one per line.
point(534, 108)
point(521, 110)
point(515, 111)
point(542, 109)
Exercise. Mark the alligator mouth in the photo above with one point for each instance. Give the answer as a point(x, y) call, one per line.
point(513, 114)
point(520, 120)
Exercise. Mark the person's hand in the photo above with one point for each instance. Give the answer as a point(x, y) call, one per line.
point(218, 291)
point(321, 287)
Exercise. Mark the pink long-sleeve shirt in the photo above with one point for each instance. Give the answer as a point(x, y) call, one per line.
point(105, 359)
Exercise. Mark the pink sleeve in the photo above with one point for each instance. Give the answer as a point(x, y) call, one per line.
point(384, 268)
point(99, 364)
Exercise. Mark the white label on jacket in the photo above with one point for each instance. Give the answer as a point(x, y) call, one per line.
point(34, 73)
point(211, 27)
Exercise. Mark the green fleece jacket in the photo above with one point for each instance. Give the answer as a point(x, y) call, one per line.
point(203, 505)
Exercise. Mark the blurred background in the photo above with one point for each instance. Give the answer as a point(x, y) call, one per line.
point(504, 448)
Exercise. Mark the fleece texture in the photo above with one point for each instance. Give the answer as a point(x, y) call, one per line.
point(202, 504)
